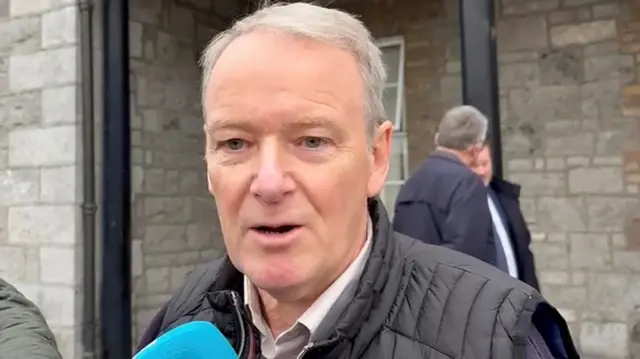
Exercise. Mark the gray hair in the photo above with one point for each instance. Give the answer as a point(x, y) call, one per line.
point(462, 127)
point(330, 26)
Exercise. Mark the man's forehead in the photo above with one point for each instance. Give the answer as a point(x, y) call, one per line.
point(245, 48)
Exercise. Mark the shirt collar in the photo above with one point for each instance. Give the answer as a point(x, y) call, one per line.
point(314, 315)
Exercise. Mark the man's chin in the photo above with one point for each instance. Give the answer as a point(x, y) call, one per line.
point(275, 277)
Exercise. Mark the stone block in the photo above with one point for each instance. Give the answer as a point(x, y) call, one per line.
point(59, 27)
point(544, 103)
point(43, 224)
point(561, 66)
point(585, 33)
point(562, 214)
point(605, 339)
point(181, 22)
point(518, 75)
point(517, 57)
point(595, 180)
point(21, 8)
point(570, 3)
point(178, 275)
point(540, 184)
point(20, 36)
point(164, 238)
point(604, 98)
point(4, 9)
point(563, 296)
point(136, 43)
point(4, 219)
point(551, 255)
point(137, 262)
point(608, 67)
point(20, 110)
point(631, 163)
point(530, 6)
point(566, 16)
point(158, 280)
point(569, 144)
point(522, 33)
point(629, 37)
point(609, 214)
point(58, 265)
point(59, 105)
point(631, 100)
point(606, 48)
point(60, 185)
point(58, 304)
point(553, 277)
point(66, 340)
point(612, 142)
point(590, 251)
point(13, 264)
point(515, 165)
point(42, 69)
point(632, 234)
point(607, 11)
point(56, 146)
point(149, 12)
point(19, 187)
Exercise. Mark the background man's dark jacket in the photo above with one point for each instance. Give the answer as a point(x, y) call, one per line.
point(508, 194)
point(444, 203)
point(412, 301)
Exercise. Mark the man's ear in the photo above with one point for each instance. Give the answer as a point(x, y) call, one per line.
point(209, 184)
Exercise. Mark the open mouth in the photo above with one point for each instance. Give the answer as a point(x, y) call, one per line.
point(275, 230)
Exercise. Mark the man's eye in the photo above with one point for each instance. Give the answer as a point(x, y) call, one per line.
point(234, 144)
point(313, 142)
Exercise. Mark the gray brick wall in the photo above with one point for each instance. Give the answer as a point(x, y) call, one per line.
point(39, 154)
point(570, 106)
point(175, 225)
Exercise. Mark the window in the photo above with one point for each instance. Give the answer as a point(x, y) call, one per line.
point(394, 104)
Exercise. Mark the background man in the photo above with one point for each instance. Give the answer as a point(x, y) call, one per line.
point(443, 202)
point(510, 227)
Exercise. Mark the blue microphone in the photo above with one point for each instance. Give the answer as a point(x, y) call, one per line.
point(194, 340)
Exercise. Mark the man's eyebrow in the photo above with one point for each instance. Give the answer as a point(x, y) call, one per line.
point(302, 123)
point(212, 124)
point(308, 122)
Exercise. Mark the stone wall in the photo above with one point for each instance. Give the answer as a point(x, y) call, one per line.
point(570, 103)
point(175, 225)
point(39, 160)
point(571, 139)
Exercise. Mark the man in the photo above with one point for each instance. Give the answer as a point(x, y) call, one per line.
point(510, 227)
point(444, 202)
point(24, 333)
point(297, 150)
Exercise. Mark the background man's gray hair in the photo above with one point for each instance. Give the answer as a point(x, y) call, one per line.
point(462, 127)
point(329, 26)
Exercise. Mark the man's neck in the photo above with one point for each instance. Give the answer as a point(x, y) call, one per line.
point(461, 156)
point(281, 315)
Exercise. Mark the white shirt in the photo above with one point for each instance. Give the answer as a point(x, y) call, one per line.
point(290, 344)
point(503, 237)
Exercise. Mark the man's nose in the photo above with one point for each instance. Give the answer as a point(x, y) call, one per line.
point(271, 181)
